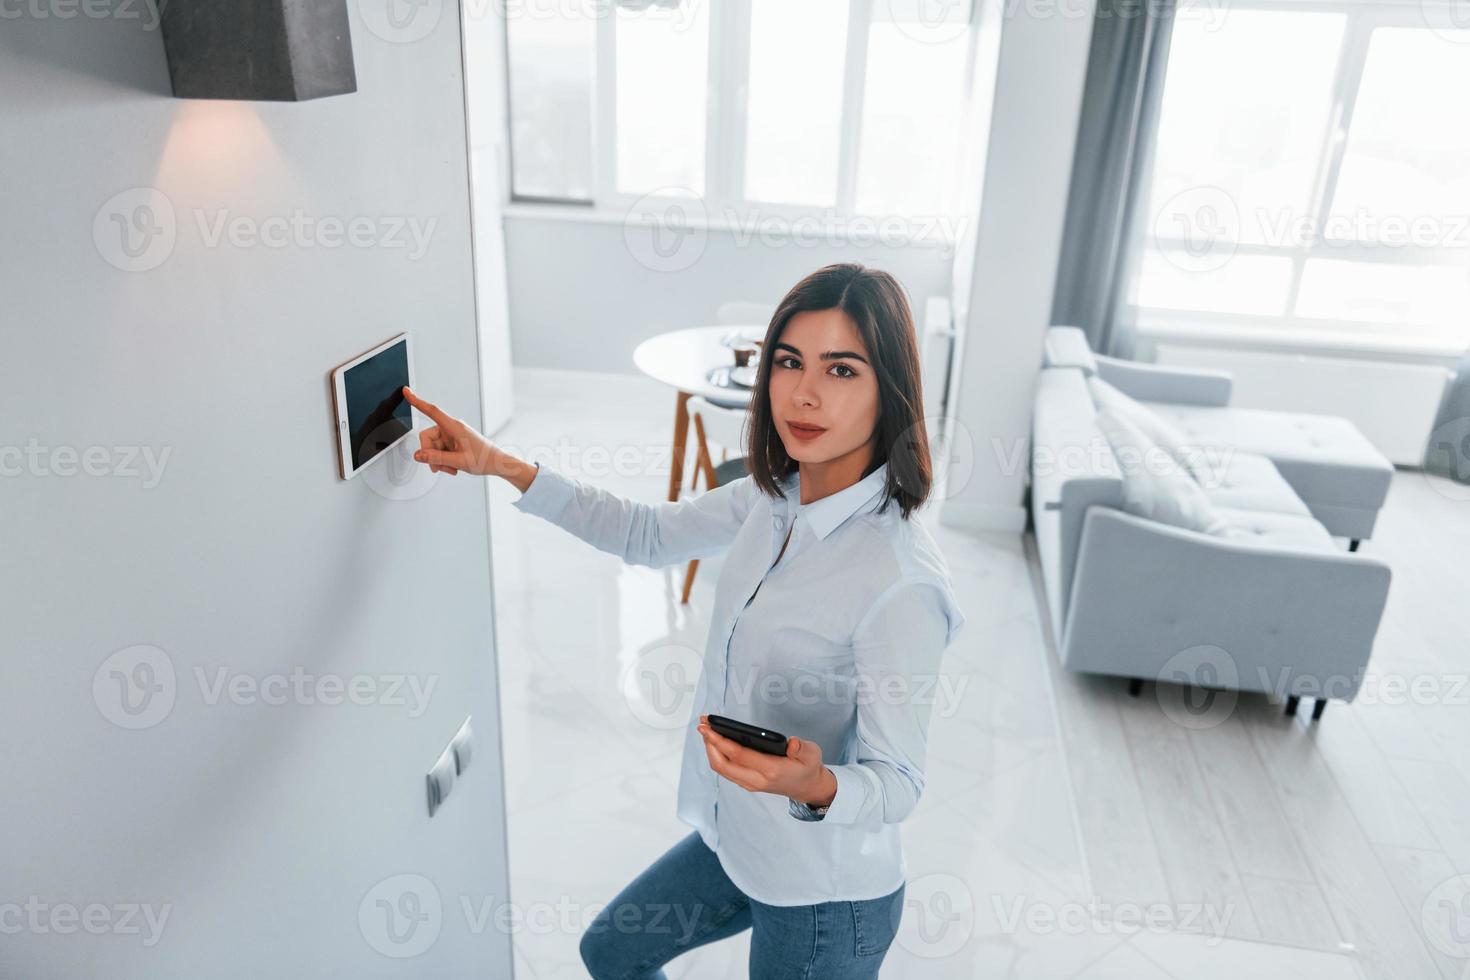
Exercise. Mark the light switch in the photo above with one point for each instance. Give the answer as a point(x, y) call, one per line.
point(463, 747)
point(441, 780)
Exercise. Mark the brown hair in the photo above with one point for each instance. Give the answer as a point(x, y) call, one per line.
point(876, 303)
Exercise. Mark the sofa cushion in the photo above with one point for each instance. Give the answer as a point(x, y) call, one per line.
point(1067, 347)
point(1154, 485)
point(1324, 458)
point(1277, 530)
point(1247, 481)
point(1163, 433)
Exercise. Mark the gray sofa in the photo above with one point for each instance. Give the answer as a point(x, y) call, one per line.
point(1334, 469)
point(1278, 607)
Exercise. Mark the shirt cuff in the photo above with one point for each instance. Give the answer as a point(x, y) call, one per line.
point(853, 787)
point(547, 496)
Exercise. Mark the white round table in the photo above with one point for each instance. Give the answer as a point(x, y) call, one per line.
point(683, 359)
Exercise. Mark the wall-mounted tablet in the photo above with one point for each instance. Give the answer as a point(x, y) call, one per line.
point(372, 414)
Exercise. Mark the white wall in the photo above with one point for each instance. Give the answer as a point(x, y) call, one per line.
point(1033, 129)
point(584, 294)
point(260, 829)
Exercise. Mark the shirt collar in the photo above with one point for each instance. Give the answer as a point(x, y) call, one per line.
point(825, 515)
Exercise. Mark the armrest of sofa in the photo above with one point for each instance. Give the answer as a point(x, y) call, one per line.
point(1288, 621)
point(1067, 347)
point(1163, 383)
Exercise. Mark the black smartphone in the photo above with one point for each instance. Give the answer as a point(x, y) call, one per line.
point(760, 739)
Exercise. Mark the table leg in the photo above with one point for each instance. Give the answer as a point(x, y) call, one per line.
point(681, 435)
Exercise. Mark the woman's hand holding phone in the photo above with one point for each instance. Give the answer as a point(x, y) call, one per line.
point(453, 446)
point(800, 775)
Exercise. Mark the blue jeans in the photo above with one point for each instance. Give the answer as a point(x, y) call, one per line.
point(684, 900)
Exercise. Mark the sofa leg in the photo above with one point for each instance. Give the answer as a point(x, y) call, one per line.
point(1135, 685)
point(1353, 544)
point(1291, 703)
point(1318, 708)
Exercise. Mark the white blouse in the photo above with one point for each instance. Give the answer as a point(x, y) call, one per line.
point(839, 642)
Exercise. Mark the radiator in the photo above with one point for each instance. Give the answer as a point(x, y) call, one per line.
point(936, 351)
point(1393, 404)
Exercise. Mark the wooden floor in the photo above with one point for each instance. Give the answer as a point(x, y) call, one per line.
point(1351, 833)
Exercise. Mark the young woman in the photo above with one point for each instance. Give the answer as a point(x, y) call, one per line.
point(830, 615)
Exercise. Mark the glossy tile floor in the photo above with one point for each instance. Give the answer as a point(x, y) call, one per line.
point(1066, 830)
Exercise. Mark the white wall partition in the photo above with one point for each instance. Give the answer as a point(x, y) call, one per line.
point(227, 671)
point(1042, 61)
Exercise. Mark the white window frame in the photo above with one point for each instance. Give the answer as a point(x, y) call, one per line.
point(723, 201)
point(1289, 329)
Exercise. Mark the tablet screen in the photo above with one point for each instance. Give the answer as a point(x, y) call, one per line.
point(377, 413)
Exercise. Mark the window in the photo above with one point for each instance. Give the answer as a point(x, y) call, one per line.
point(550, 69)
point(913, 105)
point(763, 108)
point(794, 110)
point(660, 67)
point(1312, 174)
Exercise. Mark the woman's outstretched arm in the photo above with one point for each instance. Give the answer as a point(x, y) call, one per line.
point(641, 534)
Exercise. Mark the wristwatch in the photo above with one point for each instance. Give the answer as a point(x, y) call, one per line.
point(805, 811)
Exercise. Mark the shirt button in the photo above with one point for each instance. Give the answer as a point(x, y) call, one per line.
point(780, 523)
